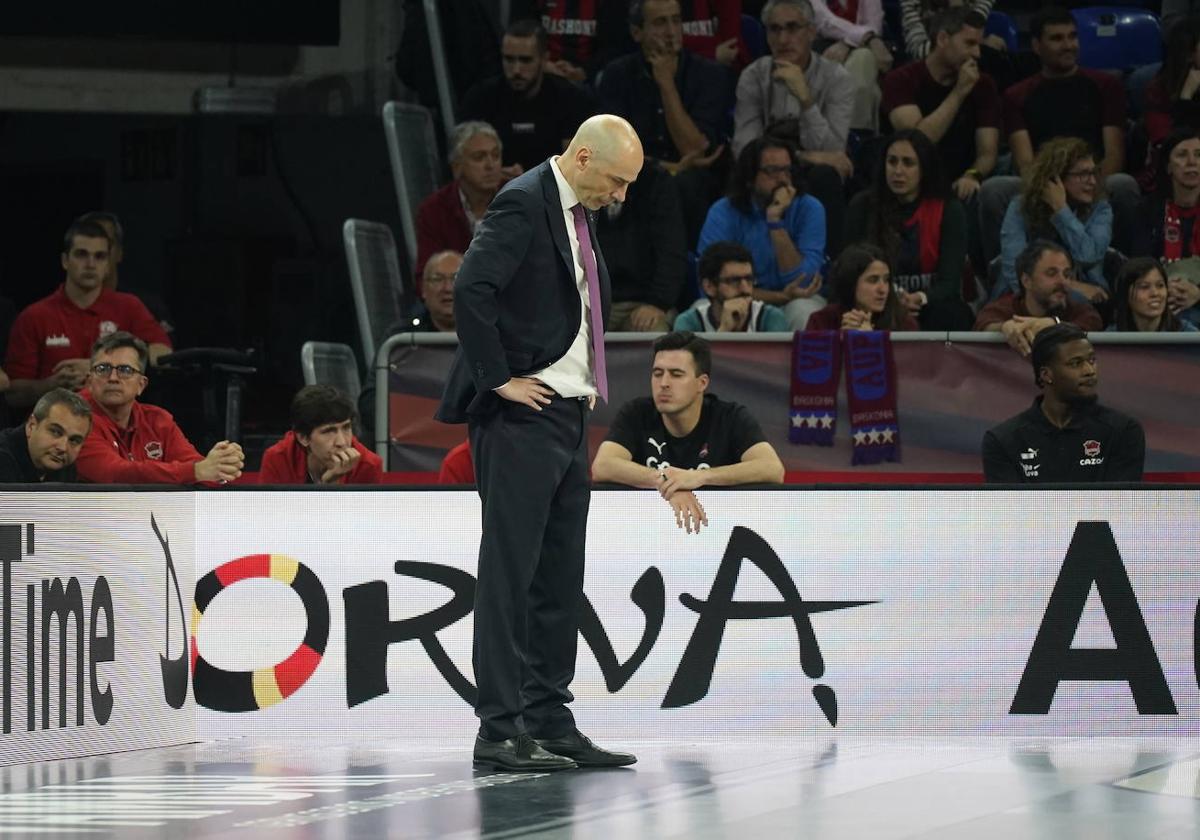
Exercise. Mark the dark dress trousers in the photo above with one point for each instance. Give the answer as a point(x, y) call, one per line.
point(518, 310)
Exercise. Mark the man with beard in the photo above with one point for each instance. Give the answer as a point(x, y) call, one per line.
point(1044, 270)
point(682, 437)
point(536, 113)
point(45, 448)
point(1063, 100)
point(727, 277)
point(1065, 436)
point(798, 95)
point(783, 228)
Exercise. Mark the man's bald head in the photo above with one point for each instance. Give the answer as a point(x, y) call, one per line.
point(602, 160)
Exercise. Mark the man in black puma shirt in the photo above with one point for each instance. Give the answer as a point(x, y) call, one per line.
point(1065, 436)
point(682, 437)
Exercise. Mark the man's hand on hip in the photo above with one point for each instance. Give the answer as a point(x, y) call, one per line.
point(531, 392)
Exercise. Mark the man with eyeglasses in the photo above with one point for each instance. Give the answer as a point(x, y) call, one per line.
point(437, 295)
point(134, 443)
point(797, 94)
point(45, 448)
point(1045, 271)
point(726, 272)
point(768, 213)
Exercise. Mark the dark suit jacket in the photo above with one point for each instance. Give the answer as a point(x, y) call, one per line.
point(516, 305)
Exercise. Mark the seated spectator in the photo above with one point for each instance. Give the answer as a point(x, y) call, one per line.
point(535, 113)
point(863, 295)
point(645, 249)
point(45, 448)
point(682, 438)
point(135, 443)
point(1045, 272)
point(457, 467)
point(768, 213)
point(911, 216)
point(436, 312)
point(321, 447)
point(1168, 221)
point(50, 339)
point(797, 95)
point(677, 102)
point(1140, 300)
point(1044, 443)
point(916, 23)
point(447, 218)
point(951, 102)
point(1063, 100)
point(853, 32)
point(1171, 97)
point(1061, 201)
point(727, 278)
point(582, 37)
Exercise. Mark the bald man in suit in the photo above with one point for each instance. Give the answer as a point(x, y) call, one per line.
point(530, 302)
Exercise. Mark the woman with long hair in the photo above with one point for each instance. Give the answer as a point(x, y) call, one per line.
point(1173, 96)
point(1169, 223)
point(863, 295)
point(911, 215)
point(1061, 200)
point(1140, 299)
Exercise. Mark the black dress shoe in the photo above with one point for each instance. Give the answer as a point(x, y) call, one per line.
point(578, 746)
point(520, 753)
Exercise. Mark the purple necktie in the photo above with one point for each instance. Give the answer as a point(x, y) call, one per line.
point(593, 286)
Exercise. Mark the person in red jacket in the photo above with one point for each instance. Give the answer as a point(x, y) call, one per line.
point(321, 447)
point(50, 339)
point(457, 466)
point(135, 443)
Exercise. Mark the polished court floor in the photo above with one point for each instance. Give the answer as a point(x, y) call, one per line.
point(829, 788)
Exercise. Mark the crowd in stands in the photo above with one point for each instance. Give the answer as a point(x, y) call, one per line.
point(937, 144)
point(837, 176)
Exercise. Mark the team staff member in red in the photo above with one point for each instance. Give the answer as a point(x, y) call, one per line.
point(135, 443)
point(321, 447)
point(1065, 436)
point(51, 338)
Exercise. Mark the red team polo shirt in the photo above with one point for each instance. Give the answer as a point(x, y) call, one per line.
point(152, 450)
point(287, 463)
point(54, 329)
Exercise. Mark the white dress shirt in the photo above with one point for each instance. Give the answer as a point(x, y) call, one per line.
point(572, 375)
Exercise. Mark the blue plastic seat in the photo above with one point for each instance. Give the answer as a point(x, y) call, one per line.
point(754, 36)
point(1003, 25)
point(1114, 38)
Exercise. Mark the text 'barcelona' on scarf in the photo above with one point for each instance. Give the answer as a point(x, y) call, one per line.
point(870, 392)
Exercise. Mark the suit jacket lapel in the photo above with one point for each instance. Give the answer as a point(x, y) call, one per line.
point(554, 216)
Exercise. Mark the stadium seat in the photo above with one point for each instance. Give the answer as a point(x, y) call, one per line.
point(416, 165)
point(375, 279)
point(331, 363)
point(1114, 38)
point(1003, 25)
point(754, 36)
